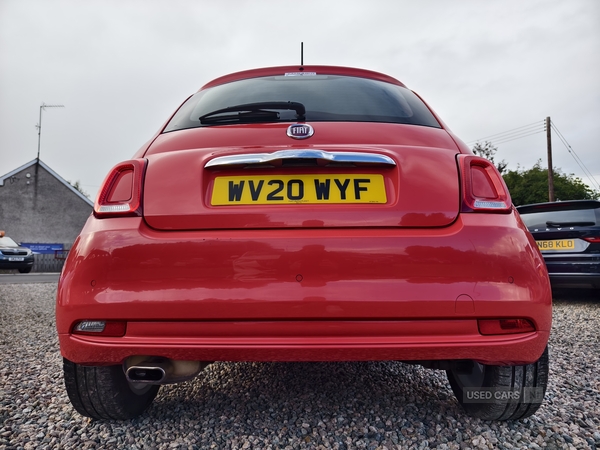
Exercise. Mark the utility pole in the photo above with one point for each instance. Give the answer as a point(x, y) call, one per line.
point(550, 171)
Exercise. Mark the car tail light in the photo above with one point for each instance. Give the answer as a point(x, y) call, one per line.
point(505, 326)
point(110, 328)
point(121, 192)
point(483, 189)
point(593, 240)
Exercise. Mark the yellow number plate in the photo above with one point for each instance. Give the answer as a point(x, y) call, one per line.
point(556, 245)
point(291, 189)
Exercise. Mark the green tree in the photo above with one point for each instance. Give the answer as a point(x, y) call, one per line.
point(531, 186)
point(77, 186)
point(488, 151)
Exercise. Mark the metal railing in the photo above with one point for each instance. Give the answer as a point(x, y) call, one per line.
point(50, 263)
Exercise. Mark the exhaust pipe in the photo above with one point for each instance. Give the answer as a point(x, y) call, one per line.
point(145, 374)
point(157, 370)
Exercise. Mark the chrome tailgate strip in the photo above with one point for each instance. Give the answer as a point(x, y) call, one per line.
point(334, 157)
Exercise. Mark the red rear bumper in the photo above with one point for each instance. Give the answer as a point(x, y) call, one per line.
point(308, 341)
point(309, 294)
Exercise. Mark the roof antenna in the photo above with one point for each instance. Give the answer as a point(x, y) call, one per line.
point(301, 55)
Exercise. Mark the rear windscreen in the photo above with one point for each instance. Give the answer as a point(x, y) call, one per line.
point(326, 98)
point(553, 219)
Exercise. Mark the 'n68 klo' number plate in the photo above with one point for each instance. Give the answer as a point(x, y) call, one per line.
point(556, 245)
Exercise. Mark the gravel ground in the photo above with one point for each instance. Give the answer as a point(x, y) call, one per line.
point(291, 405)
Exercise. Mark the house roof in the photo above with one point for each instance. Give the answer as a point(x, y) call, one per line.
point(52, 172)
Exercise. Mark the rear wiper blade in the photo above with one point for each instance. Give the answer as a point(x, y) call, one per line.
point(569, 224)
point(252, 111)
point(245, 116)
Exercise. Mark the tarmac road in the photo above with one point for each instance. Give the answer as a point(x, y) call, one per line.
point(28, 278)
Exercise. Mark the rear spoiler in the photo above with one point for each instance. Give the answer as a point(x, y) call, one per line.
point(558, 206)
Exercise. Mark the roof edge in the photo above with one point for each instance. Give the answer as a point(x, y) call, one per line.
point(51, 172)
point(282, 70)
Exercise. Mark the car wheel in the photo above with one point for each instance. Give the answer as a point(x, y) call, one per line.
point(103, 392)
point(501, 392)
point(25, 270)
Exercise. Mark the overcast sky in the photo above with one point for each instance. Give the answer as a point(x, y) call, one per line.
point(122, 67)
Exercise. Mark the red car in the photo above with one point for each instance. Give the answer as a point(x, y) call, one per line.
point(304, 214)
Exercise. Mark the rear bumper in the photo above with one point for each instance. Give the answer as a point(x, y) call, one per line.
point(308, 341)
point(575, 280)
point(573, 269)
point(305, 295)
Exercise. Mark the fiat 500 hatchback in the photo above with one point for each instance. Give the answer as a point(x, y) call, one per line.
point(304, 214)
point(568, 235)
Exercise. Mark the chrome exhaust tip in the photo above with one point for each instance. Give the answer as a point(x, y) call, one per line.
point(158, 370)
point(145, 374)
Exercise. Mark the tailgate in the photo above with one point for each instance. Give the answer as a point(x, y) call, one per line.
point(330, 186)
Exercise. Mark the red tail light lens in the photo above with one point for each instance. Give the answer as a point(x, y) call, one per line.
point(483, 189)
point(505, 326)
point(593, 240)
point(121, 192)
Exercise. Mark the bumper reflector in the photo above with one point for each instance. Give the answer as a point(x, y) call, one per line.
point(505, 326)
point(100, 328)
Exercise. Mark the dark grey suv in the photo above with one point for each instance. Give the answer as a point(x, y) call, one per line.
point(13, 256)
point(568, 235)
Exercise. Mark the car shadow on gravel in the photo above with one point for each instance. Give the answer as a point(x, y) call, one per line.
point(293, 394)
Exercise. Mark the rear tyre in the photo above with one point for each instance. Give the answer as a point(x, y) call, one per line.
point(501, 392)
point(25, 270)
point(103, 392)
